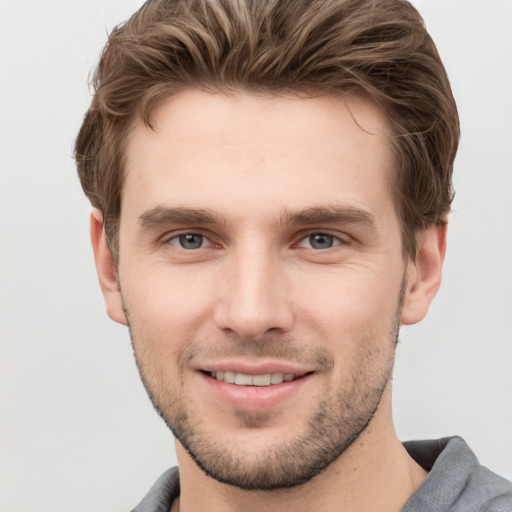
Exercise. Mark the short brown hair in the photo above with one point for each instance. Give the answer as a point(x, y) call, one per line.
point(378, 47)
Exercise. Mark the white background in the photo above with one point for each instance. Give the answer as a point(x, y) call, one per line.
point(77, 430)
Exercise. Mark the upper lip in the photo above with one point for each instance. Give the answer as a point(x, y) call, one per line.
point(260, 368)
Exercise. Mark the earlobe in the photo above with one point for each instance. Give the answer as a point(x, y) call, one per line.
point(106, 269)
point(424, 274)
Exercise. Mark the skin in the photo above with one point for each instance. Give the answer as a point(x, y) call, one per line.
point(270, 172)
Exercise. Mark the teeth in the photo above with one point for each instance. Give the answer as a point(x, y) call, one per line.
point(228, 377)
point(276, 378)
point(242, 379)
point(262, 380)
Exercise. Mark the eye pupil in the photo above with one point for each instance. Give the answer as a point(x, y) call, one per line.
point(321, 241)
point(191, 241)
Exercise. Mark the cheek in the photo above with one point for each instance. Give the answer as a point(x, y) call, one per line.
point(347, 300)
point(166, 308)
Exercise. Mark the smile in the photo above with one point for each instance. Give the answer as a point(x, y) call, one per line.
point(243, 379)
point(253, 389)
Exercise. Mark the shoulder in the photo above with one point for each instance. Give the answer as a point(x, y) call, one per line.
point(456, 482)
point(487, 492)
point(501, 503)
point(161, 496)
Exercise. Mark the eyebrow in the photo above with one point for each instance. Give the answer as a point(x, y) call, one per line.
point(329, 214)
point(162, 215)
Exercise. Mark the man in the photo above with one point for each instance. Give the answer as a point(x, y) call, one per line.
point(271, 183)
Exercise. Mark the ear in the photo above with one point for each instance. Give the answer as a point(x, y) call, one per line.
point(424, 274)
point(106, 270)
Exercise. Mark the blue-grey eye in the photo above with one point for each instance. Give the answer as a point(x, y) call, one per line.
point(191, 241)
point(321, 241)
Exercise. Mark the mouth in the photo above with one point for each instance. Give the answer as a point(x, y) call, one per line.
point(261, 380)
point(253, 389)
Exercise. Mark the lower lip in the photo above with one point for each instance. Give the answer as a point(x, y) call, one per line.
point(254, 398)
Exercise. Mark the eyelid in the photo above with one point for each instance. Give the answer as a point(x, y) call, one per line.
point(339, 238)
point(169, 237)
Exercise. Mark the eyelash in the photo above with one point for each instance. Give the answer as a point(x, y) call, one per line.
point(336, 240)
point(176, 238)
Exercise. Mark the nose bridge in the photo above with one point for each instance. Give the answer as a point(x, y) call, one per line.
point(254, 299)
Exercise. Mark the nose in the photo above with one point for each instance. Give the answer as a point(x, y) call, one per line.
point(253, 297)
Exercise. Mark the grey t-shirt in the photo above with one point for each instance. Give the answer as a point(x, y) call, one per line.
point(456, 482)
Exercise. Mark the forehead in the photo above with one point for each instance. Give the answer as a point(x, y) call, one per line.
point(256, 153)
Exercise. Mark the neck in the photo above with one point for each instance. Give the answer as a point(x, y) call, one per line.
point(375, 473)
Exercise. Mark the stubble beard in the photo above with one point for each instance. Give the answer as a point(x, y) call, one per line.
point(337, 421)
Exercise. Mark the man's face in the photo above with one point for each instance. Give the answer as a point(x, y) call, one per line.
point(259, 243)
